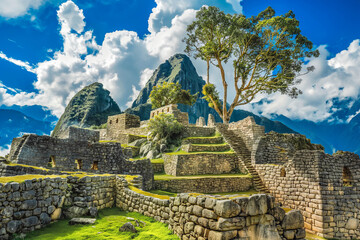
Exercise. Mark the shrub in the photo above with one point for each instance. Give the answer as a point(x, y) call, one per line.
point(165, 129)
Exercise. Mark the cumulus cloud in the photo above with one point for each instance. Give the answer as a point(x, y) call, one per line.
point(4, 150)
point(17, 8)
point(334, 80)
point(123, 62)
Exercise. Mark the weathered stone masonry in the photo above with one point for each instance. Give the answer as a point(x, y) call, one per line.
point(32, 204)
point(208, 217)
point(75, 155)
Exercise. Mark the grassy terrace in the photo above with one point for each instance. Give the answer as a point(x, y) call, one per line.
point(157, 160)
point(216, 135)
point(170, 177)
point(214, 145)
point(106, 227)
point(194, 153)
point(22, 178)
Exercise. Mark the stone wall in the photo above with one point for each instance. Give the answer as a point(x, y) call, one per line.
point(194, 131)
point(199, 164)
point(181, 117)
point(316, 184)
point(205, 185)
point(248, 130)
point(158, 167)
point(80, 134)
point(208, 217)
point(277, 148)
point(70, 155)
point(12, 170)
point(32, 204)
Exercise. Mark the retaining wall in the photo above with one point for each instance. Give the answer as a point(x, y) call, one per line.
point(207, 217)
point(205, 185)
point(32, 204)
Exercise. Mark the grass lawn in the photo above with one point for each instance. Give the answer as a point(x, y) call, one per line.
point(217, 134)
point(170, 177)
point(157, 160)
point(106, 227)
point(161, 192)
point(181, 152)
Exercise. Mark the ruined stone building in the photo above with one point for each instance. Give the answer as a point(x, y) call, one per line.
point(288, 166)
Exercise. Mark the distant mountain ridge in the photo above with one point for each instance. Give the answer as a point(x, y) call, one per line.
point(179, 68)
point(90, 106)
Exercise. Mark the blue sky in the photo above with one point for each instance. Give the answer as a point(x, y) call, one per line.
point(50, 49)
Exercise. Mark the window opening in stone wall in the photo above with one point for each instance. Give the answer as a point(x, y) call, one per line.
point(347, 177)
point(117, 120)
point(282, 172)
point(110, 121)
point(52, 162)
point(168, 109)
point(78, 163)
point(94, 166)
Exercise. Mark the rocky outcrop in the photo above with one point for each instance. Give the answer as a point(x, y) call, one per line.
point(91, 106)
point(179, 68)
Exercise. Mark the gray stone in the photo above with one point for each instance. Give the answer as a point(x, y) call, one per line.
point(352, 224)
point(29, 204)
point(8, 211)
point(279, 213)
point(189, 227)
point(84, 221)
point(213, 235)
point(226, 224)
point(257, 205)
point(93, 211)
point(128, 227)
point(45, 219)
point(30, 221)
point(13, 226)
point(293, 220)
point(300, 233)
point(227, 208)
point(74, 212)
point(289, 234)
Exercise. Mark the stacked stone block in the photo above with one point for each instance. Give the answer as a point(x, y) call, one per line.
point(208, 217)
point(32, 204)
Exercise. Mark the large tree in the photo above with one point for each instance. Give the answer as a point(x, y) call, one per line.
point(267, 53)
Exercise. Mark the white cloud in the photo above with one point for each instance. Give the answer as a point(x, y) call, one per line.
point(71, 17)
point(4, 150)
point(123, 63)
point(17, 8)
point(236, 5)
point(24, 65)
point(332, 81)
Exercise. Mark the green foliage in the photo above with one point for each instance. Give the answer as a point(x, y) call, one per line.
point(267, 51)
point(211, 95)
point(170, 93)
point(165, 129)
point(106, 227)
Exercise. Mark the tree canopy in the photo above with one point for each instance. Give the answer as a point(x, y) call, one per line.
point(266, 51)
point(170, 93)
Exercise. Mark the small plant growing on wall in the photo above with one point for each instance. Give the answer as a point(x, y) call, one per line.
point(165, 133)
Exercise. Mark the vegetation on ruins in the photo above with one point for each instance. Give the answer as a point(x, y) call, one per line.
point(165, 133)
point(170, 93)
point(266, 51)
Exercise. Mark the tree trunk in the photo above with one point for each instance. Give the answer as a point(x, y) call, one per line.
point(208, 71)
point(225, 85)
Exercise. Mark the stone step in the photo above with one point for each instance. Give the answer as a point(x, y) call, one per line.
point(203, 140)
point(205, 148)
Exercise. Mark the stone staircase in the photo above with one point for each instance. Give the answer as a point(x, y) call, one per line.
point(238, 146)
point(205, 164)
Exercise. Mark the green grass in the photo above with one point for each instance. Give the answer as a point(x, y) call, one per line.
point(137, 158)
point(170, 177)
point(29, 166)
point(157, 160)
point(161, 192)
point(106, 227)
point(213, 145)
point(242, 194)
point(217, 134)
point(109, 141)
point(181, 152)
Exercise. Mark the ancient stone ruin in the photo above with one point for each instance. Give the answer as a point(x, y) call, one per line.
point(286, 170)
